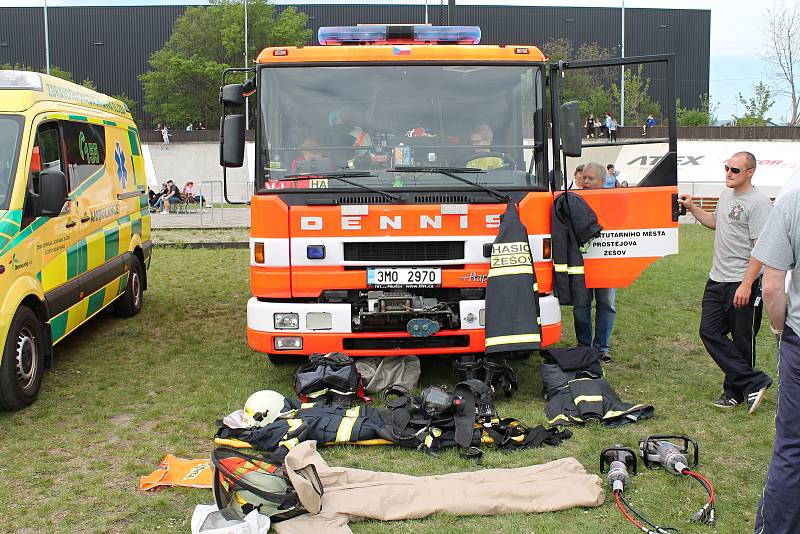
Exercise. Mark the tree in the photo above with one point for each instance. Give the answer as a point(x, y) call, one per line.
point(589, 87)
point(637, 98)
point(703, 115)
point(183, 85)
point(782, 33)
point(756, 108)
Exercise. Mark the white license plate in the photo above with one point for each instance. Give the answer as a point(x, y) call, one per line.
point(404, 277)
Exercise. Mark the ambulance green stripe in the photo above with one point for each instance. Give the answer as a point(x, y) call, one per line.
point(73, 261)
point(58, 326)
point(35, 225)
point(134, 143)
point(96, 302)
point(109, 123)
point(86, 183)
point(83, 118)
point(112, 243)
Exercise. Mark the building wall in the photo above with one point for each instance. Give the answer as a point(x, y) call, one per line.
point(112, 45)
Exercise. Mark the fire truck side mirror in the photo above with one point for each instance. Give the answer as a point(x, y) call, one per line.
point(232, 95)
point(570, 129)
point(231, 140)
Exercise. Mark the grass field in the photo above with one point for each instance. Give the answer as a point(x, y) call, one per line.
point(123, 393)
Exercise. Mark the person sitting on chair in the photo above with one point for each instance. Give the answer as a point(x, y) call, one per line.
point(484, 158)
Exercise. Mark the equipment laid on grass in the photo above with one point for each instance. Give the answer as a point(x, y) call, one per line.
point(331, 376)
point(659, 450)
point(245, 482)
point(618, 461)
point(263, 407)
point(173, 471)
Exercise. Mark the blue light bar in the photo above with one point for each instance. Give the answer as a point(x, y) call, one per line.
point(381, 34)
point(447, 34)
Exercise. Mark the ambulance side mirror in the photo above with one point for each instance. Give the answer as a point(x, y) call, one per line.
point(570, 129)
point(231, 140)
point(53, 192)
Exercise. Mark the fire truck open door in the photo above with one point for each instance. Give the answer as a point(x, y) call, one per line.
point(637, 209)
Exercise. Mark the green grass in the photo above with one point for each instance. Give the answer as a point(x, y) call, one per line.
point(123, 393)
point(177, 236)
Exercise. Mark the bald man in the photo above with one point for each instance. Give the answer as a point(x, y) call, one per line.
point(731, 313)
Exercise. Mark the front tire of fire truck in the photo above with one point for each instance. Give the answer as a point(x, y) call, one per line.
point(22, 366)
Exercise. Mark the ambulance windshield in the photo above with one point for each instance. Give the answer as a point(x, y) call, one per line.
point(375, 118)
point(10, 131)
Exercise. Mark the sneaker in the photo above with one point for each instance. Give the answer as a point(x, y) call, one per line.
point(754, 399)
point(724, 401)
point(164, 213)
point(605, 357)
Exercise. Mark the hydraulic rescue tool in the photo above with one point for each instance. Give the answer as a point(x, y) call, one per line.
point(618, 461)
point(661, 450)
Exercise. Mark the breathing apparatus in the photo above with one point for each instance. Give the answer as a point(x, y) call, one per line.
point(658, 450)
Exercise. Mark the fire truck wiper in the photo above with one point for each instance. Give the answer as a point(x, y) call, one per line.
point(342, 176)
point(449, 171)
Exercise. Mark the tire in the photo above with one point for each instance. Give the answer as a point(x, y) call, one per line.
point(131, 301)
point(22, 366)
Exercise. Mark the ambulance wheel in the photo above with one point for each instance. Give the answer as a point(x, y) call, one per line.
point(130, 303)
point(22, 365)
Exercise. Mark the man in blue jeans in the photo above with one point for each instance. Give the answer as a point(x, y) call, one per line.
point(594, 176)
point(778, 249)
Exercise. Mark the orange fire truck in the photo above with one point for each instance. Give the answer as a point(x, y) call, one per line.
point(383, 161)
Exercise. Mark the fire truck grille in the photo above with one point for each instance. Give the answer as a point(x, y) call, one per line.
point(404, 251)
point(388, 343)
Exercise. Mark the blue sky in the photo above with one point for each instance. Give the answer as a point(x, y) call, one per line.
point(737, 44)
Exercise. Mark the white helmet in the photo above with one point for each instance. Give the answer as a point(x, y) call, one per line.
point(263, 407)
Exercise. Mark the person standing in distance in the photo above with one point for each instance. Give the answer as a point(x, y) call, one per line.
point(732, 299)
point(779, 250)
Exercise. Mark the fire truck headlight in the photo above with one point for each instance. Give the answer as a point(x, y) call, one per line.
point(288, 343)
point(319, 321)
point(286, 321)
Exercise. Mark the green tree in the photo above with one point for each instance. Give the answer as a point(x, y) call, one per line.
point(704, 115)
point(637, 98)
point(183, 85)
point(756, 107)
point(589, 87)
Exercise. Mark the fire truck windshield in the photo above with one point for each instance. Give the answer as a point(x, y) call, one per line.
point(318, 119)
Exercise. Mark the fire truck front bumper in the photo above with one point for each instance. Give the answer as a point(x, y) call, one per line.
point(302, 329)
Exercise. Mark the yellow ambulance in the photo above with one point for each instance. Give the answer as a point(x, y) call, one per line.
point(74, 220)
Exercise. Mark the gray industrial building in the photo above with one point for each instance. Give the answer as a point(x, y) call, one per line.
point(111, 45)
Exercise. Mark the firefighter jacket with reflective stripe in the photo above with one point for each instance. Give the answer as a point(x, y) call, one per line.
point(573, 225)
point(587, 399)
point(326, 424)
point(512, 301)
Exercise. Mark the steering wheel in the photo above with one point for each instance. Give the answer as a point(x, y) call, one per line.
point(508, 161)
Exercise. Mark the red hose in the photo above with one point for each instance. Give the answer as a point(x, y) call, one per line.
point(625, 512)
point(711, 493)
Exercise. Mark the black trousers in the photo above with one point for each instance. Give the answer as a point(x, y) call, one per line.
point(778, 511)
point(735, 355)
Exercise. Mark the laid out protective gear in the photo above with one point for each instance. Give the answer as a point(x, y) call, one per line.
point(174, 471)
point(263, 407)
point(320, 422)
point(592, 399)
point(246, 482)
point(513, 323)
point(357, 493)
point(329, 376)
point(573, 225)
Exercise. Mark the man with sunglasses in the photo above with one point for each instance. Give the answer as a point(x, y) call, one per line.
point(732, 296)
